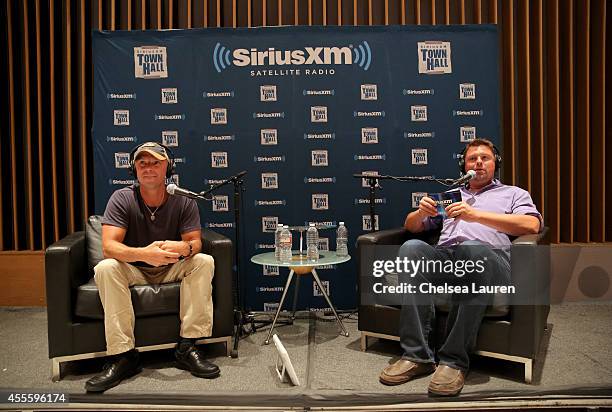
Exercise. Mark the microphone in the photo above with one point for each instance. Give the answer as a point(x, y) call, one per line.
point(469, 175)
point(224, 182)
point(175, 190)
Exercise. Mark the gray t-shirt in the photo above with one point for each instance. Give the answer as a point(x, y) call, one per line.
point(126, 209)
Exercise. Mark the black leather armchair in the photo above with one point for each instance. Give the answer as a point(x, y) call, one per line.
point(507, 332)
point(75, 316)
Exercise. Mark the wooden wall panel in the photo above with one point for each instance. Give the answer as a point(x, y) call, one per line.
point(555, 100)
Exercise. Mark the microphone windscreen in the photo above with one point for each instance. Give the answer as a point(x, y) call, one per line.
point(170, 188)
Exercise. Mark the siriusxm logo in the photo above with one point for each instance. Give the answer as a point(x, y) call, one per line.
point(170, 138)
point(169, 96)
point(122, 160)
point(150, 62)
point(418, 113)
point(323, 244)
point(468, 112)
point(419, 156)
point(318, 114)
point(434, 57)
point(269, 223)
point(317, 292)
point(220, 203)
point(361, 55)
point(270, 307)
point(320, 201)
point(267, 93)
point(264, 246)
point(369, 114)
point(259, 159)
point(269, 180)
point(121, 139)
point(121, 117)
point(416, 198)
point(219, 138)
point(331, 92)
point(366, 201)
point(369, 92)
point(217, 94)
point(218, 115)
point(122, 182)
point(272, 115)
point(371, 157)
point(269, 288)
point(227, 225)
point(319, 179)
point(366, 222)
point(270, 270)
point(369, 135)
point(270, 202)
point(169, 116)
point(366, 182)
point(218, 159)
point(319, 135)
point(409, 135)
point(467, 91)
point(269, 137)
point(467, 133)
point(318, 158)
point(113, 96)
point(410, 92)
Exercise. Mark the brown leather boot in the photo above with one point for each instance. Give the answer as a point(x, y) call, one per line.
point(403, 370)
point(446, 381)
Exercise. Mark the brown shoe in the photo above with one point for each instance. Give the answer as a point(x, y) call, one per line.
point(403, 370)
point(446, 381)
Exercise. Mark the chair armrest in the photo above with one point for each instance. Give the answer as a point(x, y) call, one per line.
point(542, 238)
point(397, 236)
point(221, 249)
point(65, 262)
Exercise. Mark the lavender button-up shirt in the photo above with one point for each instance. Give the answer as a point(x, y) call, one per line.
point(495, 197)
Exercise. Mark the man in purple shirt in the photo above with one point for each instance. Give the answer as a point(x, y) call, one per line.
point(476, 229)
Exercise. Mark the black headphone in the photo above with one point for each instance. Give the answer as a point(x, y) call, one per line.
point(171, 164)
point(497, 156)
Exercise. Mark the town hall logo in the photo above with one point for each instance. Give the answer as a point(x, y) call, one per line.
point(418, 113)
point(121, 117)
point(467, 134)
point(267, 93)
point(169, 96)
point(369, 135)
point(218, 116)
point(318, 114)
point(170, 138)
point(369, 92)
point(320, 201)
point(269, 137)
point(269, 180)
point(434, 57)
point(467, 91)
point(218, 160)
point(319, 158)
point(150, 62)
point(220, 203)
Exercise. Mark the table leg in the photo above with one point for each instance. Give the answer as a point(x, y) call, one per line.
point(295, 296)
point(280, 306)
point(316, 278)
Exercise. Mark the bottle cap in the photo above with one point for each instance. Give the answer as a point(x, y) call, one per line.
point(341, 223)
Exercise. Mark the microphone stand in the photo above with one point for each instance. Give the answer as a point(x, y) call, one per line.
point(373, 184)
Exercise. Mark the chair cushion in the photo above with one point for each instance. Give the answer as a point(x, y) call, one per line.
point(147, 300)
point(93, 237)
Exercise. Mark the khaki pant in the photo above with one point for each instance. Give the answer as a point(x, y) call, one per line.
point(114, 279)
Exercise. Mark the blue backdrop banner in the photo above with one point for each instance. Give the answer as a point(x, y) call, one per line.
point(301, 109)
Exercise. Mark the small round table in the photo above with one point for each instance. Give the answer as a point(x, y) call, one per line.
point(301, 265)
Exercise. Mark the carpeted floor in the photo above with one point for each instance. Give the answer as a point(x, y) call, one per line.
point(575, 356)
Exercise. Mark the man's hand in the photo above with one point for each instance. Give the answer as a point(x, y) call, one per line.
point(427, 207)
point(154, 255)
point(463, 211)
point(180, 247)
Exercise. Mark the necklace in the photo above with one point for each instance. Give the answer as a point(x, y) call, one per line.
point(155, 211)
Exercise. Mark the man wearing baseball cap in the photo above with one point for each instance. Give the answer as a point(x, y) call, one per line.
point(151, 237)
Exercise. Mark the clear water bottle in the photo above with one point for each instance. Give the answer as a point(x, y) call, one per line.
point(342, 240)
point(279, 229)
point(285, 243)
point(312, 242)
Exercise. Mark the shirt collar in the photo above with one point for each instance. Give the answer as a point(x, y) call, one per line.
point(494, 183)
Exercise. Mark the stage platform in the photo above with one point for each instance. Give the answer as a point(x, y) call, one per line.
point(574, 369)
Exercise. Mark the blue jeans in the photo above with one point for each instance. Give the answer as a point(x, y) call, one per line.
point(464, 318)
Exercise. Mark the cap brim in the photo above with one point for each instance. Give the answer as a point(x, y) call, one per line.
point(156, 155)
